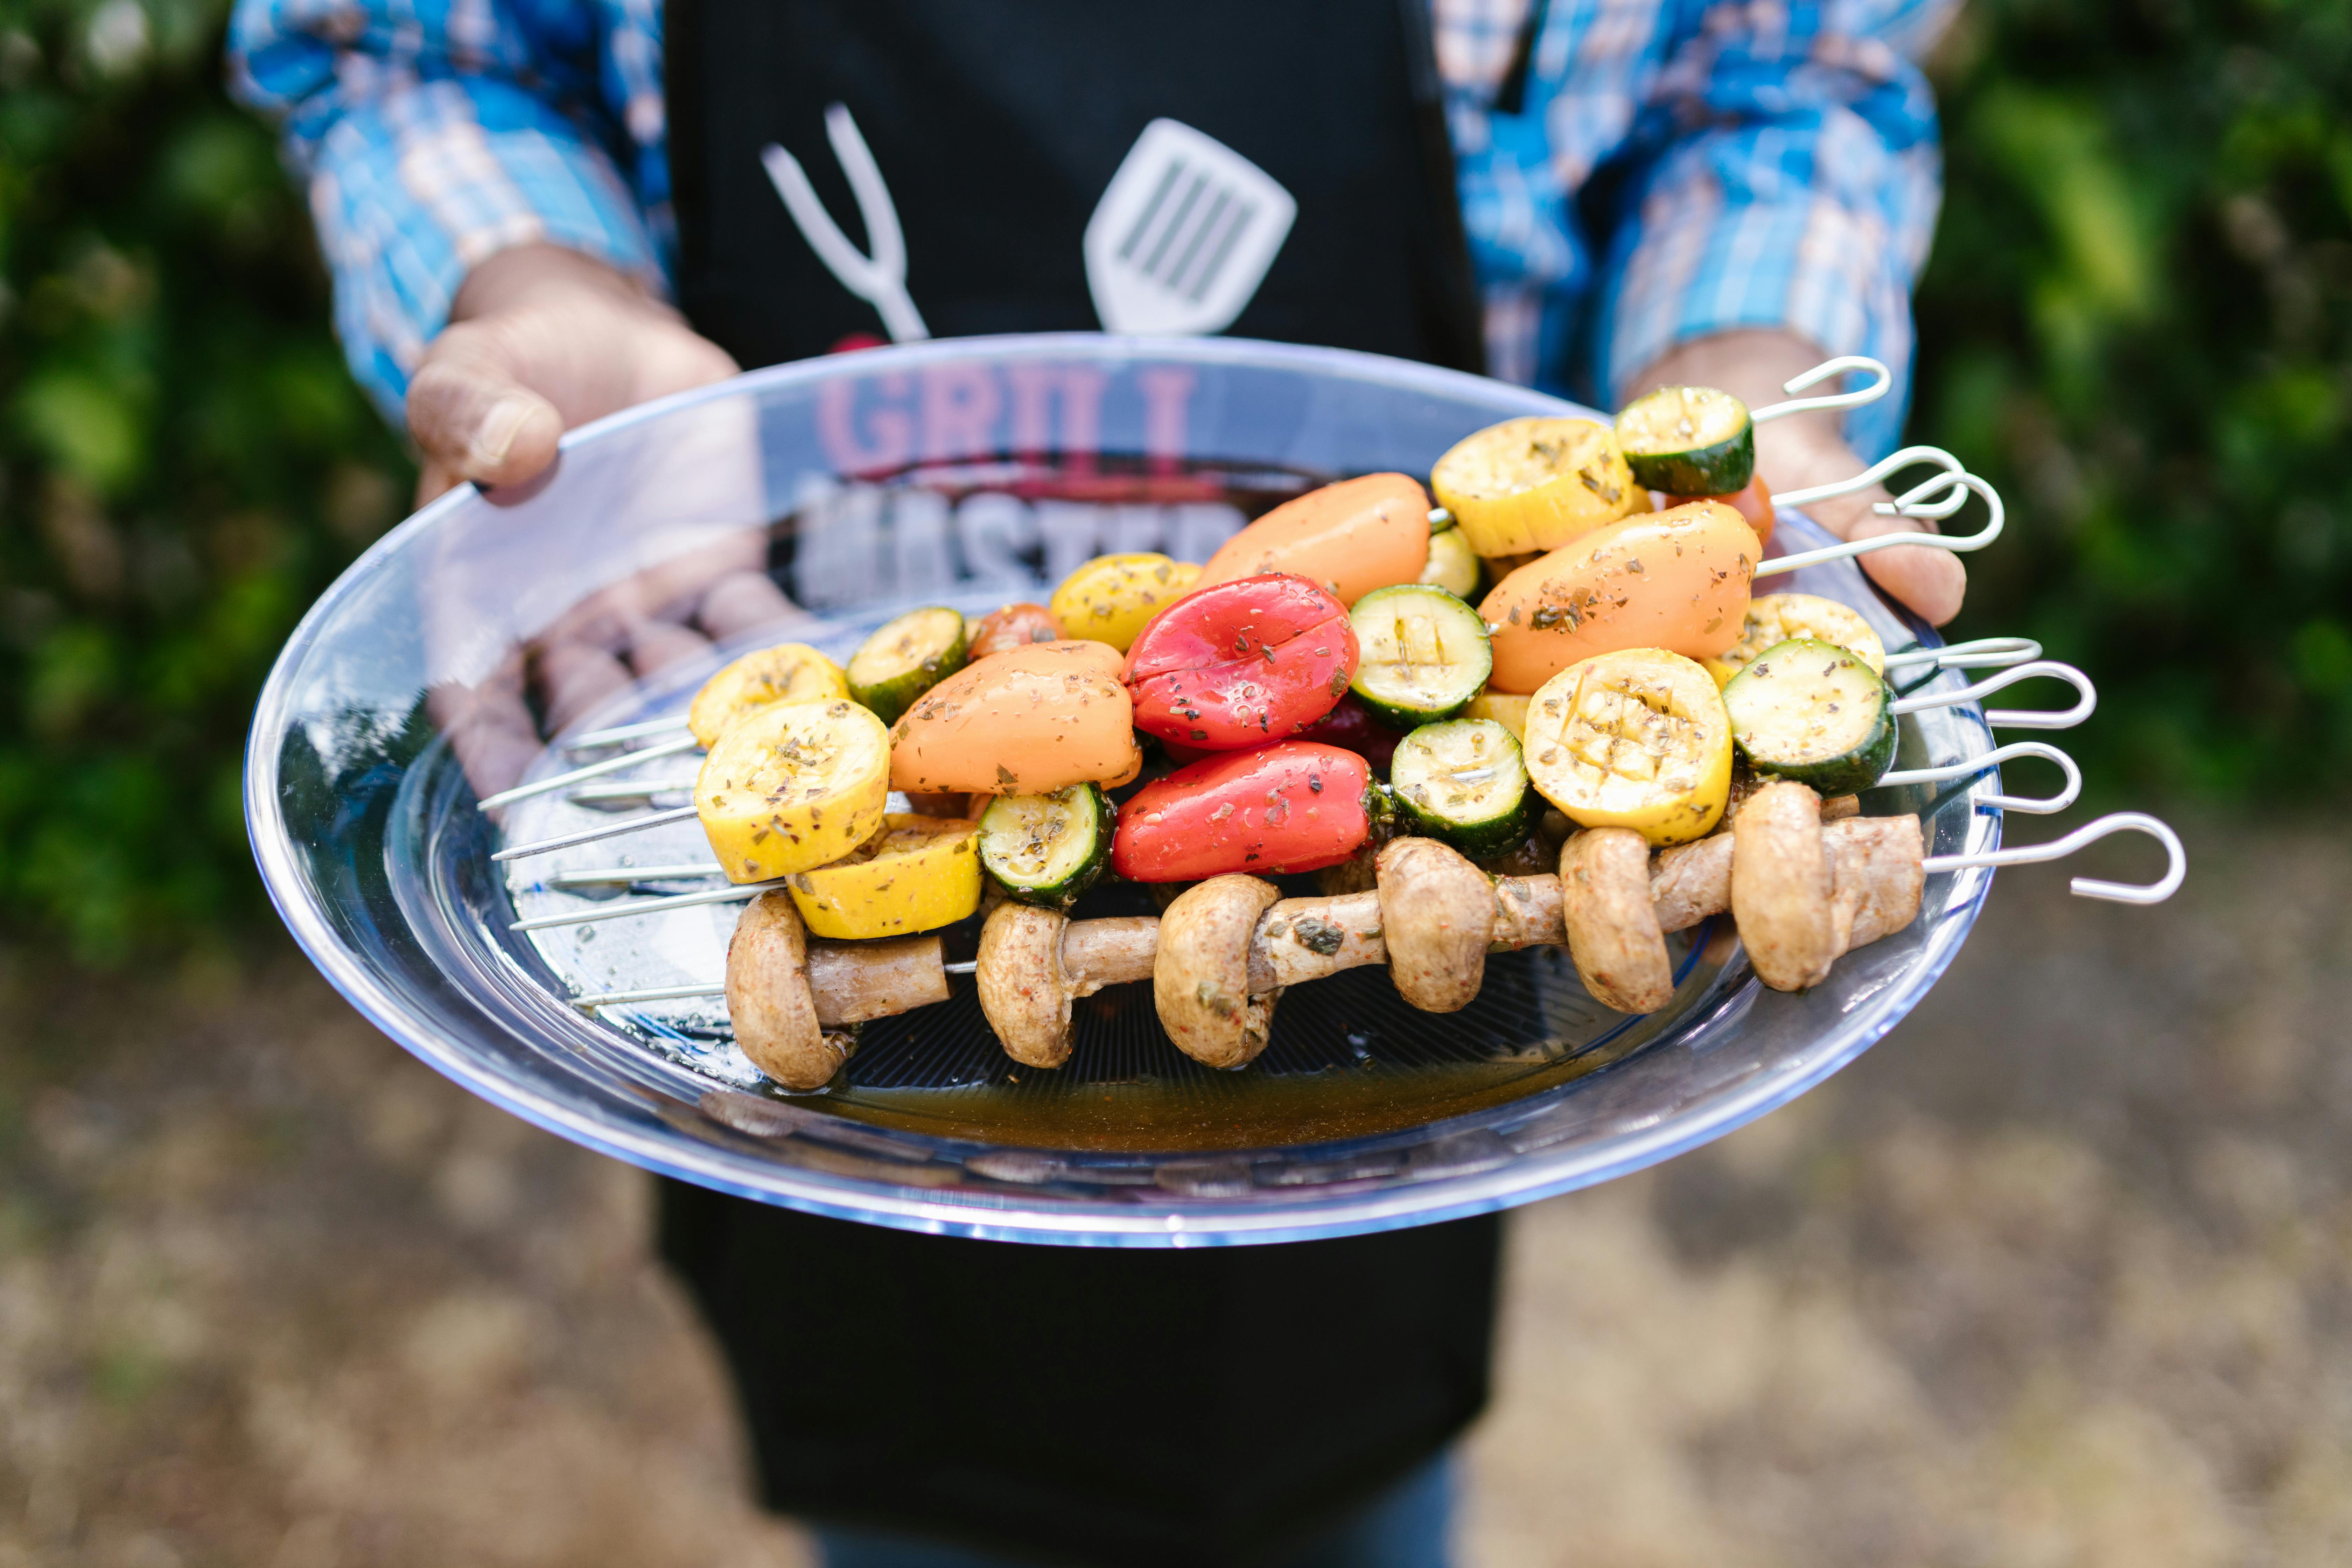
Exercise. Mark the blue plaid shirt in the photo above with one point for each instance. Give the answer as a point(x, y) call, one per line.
point(1774, 164)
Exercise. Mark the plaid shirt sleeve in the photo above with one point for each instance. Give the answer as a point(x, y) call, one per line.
point(1769, 163)
point(435, 133)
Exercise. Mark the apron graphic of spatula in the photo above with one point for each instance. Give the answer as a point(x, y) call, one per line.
point(1178, 245)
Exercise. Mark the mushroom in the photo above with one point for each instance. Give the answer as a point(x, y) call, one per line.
point(1692, 881)
point(1033, 963)
point(1200, 976)
point(769, 999)
point(1438, 910)
point(1227, 948)
point(1875, 877)
point(1780, 887)
point(1613, 934)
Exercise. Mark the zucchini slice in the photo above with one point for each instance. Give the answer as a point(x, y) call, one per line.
point(905, 658)
point(1689, 441)
point(1048, 848)
point(1463, 781)
point(1775, 618)
point(1453, 564)
point(1533, 484)
point(1814, 712)
point(1421, 654)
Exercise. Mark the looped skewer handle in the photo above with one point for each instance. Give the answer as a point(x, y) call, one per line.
point(1993, 759)
point(1882, 379)
point(2154, 892)
point(594, 769)
point(1958, 546)
point(2014, 718)
point(1984, 653)
point(879, 279)
point(1909, 504)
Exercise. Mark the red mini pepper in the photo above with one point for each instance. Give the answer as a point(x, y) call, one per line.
point(1349, 726)
point(1292, 806)
point(1244, 662)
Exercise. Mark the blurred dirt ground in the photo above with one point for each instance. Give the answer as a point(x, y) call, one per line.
point(2059, 1274)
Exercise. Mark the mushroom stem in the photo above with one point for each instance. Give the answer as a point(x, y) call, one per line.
point(852, 982)
point(1109, 951)
point(1306, 938)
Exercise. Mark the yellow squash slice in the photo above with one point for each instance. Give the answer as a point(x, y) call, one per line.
point(1509, 712)
point(917, 874)
point(792, 787)
point(1633, 739)
point(1775, 618)
point(789, 672)
point(1112, 597)
point(1535, 484)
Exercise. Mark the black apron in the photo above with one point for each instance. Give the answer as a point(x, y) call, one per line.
point(1132, 1408)
point(997, 124)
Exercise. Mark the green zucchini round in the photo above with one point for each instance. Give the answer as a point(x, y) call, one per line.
point(1814, 712)
point(1421, 654)
point(1453, 564)
point(1048, 848)
point(1465, 782)
point(1689, 441)
point(906, 658)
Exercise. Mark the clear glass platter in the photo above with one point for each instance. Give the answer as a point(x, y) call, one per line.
point(970, 472)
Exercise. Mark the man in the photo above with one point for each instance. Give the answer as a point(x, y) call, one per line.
point(1607, 195)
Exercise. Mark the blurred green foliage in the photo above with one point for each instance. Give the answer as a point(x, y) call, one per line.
point(2136, 321)
point(183, 465)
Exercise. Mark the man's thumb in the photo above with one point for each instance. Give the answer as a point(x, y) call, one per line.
point(474, 420)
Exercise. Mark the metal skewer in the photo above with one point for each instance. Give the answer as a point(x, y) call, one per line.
point(1993, 759)
point(1944, 542)
point(2014, 718)
point(1882, 379)
point(605, 876)
point(590, 835)
point(593, 770)
point(597, 796)
point(739, 893)
point(1984, 653)
point(1911, 502)
point(683, 993)
point(2154, 892)
point(621, 733)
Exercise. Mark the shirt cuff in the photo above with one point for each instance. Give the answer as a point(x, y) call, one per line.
point(413, 189)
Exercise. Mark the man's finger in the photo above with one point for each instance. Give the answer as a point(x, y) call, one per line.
point(1932, 581)
point(473, 419)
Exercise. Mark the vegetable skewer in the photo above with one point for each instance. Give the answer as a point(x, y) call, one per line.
point(611, 875)
point(1801, 892)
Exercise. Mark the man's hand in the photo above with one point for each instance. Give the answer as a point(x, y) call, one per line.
point(1806, 450)
point(542, 339)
